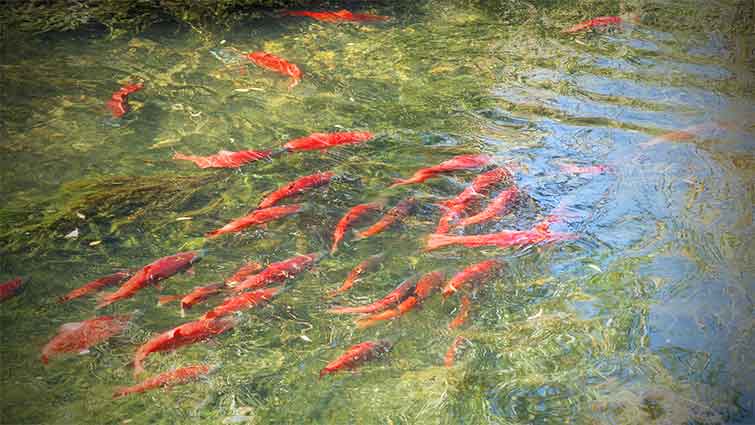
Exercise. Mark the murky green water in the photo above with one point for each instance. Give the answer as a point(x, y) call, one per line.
point(646, 318)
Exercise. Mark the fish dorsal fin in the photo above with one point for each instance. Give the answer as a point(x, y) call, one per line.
point(176, 332)
point(70, 327)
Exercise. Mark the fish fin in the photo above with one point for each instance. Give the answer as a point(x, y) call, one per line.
point(83, 352)
point(45, 359)
point(190, 271)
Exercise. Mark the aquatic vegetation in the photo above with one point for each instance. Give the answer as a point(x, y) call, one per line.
point(642, 319)
point(103, 206)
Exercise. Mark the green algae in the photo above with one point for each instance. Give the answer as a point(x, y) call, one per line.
point(103, 206)
point(574, 348)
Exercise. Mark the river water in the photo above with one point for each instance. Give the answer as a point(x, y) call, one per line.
point(646, 317)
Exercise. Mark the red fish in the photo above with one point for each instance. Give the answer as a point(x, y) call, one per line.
point(425, 287)
point(351, 216)
point(454, 208)
point(704, 130)
point(11, 288)
point(479, 187)
point(578, 169)
point(279, 272)
point(185, 334)
point(79, 336)
point(244, 271)
point(118, 103)
point(342, 15)
point(152, 273)
point(450, 357)
point(357, 272)
point(450, 216)
point(255, 218)
point(318, 141)
point(201, 293)
point(296, 187)
point(399, 212)
point(244, 301)
point(462, 315)
point(96, 285)
point(472, 274)
point(276, 64)
point(393, 297)
point(601, 21)
point(356, 355)
point(457, 163)
point(178, 376)
point(499, 206)
point(504, 239)
point(225, 159)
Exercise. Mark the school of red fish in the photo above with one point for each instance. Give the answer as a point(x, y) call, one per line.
point(492, 194)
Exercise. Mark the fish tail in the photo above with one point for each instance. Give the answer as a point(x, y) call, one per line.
point(104, 303)
point(181, 157)
point(278, 152)
point(340, 310)
point(138, 367)
point(400, 182)
point(197, 160)
point(575, 28)
point(445, 205)
point(366, 323)
point(436, 241)
point(120, 393)
point(213, 234)
point(45, 359)
point(167, 299)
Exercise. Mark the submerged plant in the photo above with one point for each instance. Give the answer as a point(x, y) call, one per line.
point(104, 204)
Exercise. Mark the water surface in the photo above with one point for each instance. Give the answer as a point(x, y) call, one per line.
point(645, 318)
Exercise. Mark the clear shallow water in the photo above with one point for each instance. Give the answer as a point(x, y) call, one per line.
point(646, 318)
